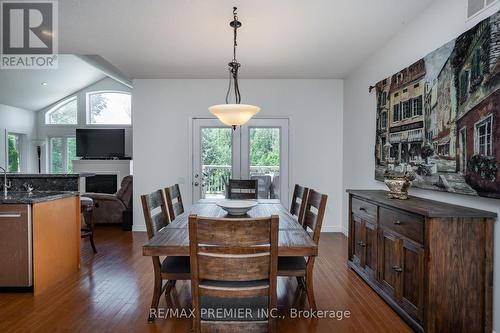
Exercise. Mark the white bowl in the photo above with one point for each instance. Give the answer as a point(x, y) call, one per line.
point(237, 207)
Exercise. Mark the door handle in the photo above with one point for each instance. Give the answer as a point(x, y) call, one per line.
point(362, 244)
point(196, 183)
point(397, 269)
point(397, 222)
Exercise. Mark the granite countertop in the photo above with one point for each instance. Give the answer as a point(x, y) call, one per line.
point(35, 197)
point(42, 175)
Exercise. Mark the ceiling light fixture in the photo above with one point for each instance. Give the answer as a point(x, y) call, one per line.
point(235, 114)
point(44, 84)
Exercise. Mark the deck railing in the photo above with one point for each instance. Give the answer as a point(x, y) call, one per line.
point(216, 176)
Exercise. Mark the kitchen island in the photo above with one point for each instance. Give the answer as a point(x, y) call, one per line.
point(39, 239)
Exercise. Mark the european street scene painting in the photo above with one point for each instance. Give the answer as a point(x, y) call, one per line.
point(439, 117)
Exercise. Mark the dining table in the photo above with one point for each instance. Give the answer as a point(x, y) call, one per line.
point(173, 239)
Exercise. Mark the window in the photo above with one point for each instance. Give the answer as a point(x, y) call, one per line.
point(64, 113)
point(399, 78)
point(396, 116)
point(405, 107)
point(109, 108)
point(13, 152)
point(464, 85)
point(396, 95)
point(476, 65)
point(62, 153)
point(384, 98)
point(416, 104)
point(416, 85)
point(383, 120)
point(405, 91)
point(483, 137)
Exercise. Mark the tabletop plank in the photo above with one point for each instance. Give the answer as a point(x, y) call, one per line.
point(173, 240)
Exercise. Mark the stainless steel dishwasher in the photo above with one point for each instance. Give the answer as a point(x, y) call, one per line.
point(16, 269)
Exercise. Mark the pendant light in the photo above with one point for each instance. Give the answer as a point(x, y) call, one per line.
point(235, 114)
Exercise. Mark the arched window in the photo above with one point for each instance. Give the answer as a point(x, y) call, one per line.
point(109, 108)
point(64, 113)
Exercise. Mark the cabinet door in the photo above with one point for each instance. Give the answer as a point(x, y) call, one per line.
point(413, 279)
point(359, 242)
point(370, 249)
point(390, 263)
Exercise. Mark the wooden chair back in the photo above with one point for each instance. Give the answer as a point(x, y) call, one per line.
point(314, 213)
point(233, 251)
point(299, 200)
point(242, 189)
point(155, 212)
point(174, 201)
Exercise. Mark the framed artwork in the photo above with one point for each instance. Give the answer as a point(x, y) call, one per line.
point(440, 116)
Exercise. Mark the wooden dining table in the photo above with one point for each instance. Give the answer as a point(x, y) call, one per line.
point(173, 239)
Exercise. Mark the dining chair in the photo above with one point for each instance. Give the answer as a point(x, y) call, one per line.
point(299, 200)
point(219, 249)
point(174, 201)
point(242, 189)
point(87, 210)
point(263, 185)
point(301, 267)
point(172, 268)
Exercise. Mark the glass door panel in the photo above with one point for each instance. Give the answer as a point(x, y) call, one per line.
point(264, 160)
point(264, 156)
point(216, 158)
point(216, 161)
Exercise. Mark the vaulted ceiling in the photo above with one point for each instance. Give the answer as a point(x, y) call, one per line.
point(192, 39)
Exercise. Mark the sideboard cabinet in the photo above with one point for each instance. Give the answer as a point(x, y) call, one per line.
point(431, 262)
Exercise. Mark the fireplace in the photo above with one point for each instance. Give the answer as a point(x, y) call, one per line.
point(101, 183)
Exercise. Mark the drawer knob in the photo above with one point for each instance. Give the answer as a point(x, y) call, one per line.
point(363, 209)
point(397, 222)
point(397, 269)
point(361, 244)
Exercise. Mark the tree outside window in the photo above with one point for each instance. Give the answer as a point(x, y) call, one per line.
point(14, 153)
point(62, 154)
point(109, 108)
point(65, 113)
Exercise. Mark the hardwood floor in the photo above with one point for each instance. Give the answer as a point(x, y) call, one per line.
point(112, 293)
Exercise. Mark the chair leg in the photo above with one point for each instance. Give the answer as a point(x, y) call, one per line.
point(92, 242)
point(300, 282)
point(156, 297)
point(309, 286)
point(169, 287)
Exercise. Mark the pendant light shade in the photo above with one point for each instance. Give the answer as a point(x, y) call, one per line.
point(234, 114)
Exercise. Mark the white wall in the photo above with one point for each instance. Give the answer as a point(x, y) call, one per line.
point(161, 118)
point(18, 121)
point(443, 21)
point(45, 131)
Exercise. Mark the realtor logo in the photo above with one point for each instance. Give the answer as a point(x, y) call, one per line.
point(28, 34)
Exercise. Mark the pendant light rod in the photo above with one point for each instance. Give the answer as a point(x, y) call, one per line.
point(234, 65)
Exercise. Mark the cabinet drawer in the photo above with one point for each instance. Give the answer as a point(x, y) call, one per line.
point(406, 224)
point(364, 209)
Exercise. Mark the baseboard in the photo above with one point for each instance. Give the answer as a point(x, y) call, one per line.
point(328, 228)
point(345, 231)
point(139, 228)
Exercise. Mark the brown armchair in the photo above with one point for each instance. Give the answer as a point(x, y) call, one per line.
point(109, 208)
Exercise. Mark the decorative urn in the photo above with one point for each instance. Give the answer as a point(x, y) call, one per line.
point(398, 184)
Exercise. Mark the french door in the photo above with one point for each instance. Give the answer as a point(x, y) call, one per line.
point(257, 150)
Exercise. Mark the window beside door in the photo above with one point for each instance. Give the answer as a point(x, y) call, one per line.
point(14, 152)
point(62, 151)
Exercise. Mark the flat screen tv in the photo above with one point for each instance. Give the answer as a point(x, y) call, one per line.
point(100, 143)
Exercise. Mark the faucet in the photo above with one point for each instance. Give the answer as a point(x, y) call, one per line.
point(6, 185)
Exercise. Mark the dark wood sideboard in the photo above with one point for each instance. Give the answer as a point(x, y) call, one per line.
point(432, 262)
